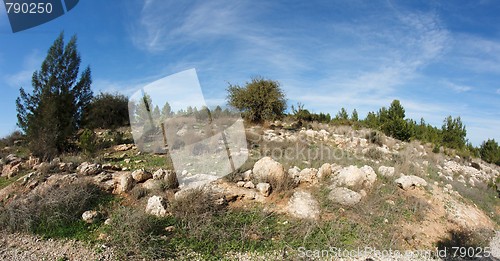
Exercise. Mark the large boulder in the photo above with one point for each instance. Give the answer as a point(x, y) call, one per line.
point(407, 182)
point(141, 175)
point(267, 169)
point(153, 184)
point(303, 205)
point(344, 196)
point(89, 169)
point(354, 177)
point(157, 206)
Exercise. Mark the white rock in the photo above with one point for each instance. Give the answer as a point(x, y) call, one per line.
point(324, 171)
point(386, 171)
point(249, 185)
point(267, 169)
point(353, 176)
point(141, 175)
point(303, 205)
point(264, 189)
point(91, 216)
point(407, 182)
point(157, 206)
point(344, 196)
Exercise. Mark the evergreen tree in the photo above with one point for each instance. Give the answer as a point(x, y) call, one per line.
point(490, 152)
point(454, 133)
point(53, 112)
point(166, 111)
point(354, 116)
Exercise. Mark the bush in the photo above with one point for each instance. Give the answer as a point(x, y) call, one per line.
point(490, 151)
point(88, 142)
point(54, 212)
point(259, 100)
point(107, 111)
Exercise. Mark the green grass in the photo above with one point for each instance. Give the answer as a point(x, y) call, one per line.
point(4, 182)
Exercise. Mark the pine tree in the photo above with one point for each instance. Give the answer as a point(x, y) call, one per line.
point(53, 112)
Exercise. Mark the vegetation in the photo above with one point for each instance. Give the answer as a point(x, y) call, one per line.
point(54, 111)
point(107, 111)
point(490, 151)
point(258, 100)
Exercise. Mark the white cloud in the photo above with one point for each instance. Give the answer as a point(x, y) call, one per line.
point(22, 78)
point(458, 88)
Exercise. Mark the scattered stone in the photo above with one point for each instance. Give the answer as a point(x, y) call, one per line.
point(247, 175)
point(344, 196)
point(355, 177)
point(107, 221)
point(157, 206)
point(141, 175)
point(170, 178)
point(249, 185)
point(123, 147)
point(89, 169)
point(126, 182)
point(308, 175)
point(264, 189)
point(267, 169)
point(170, 229)
point(324, 171)
point(303, 205)
point(159, 174)
point(152, 184)
point(386, 171)
point(240, 184)
point(407, 182)
point(91, 216)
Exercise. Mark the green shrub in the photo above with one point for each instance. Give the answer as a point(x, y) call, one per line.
point(88, 142)
point(107, 111)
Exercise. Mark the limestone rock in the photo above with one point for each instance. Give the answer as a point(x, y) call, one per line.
point(303, 205)
point(157, 206)
point(407, 182)
point(267, 169)
point(141, 175)
point(264, 189)
point(344, 196)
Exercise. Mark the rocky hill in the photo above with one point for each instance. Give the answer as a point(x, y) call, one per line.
point(317, 192)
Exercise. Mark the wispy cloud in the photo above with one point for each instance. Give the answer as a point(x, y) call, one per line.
point(22, 78)
point(498, 91)
point(458, 88)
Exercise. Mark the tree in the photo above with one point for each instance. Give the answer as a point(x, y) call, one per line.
point(354, 116)
point(258, 100)
point(107, 111)
point(54, 111)
point(454, 133)
point(393, 122)
point(490, 152)
point(342, 115)
point(166, 111)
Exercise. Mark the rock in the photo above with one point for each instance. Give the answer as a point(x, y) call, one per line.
point(141, 175)
point(159, 174)
point(355, 177)
point(170, 178)
point(264, 189)
point(240, 184)
point(344, 196)
point(170, 229)
point(249, 185)
point(107, 221)
point(91, 216)
point(12, 159)
point(10, 170)
point(102, 177)
point(407, 182)
point(152, 184)
point(157, 206)
point(66, 166)
point(386, 171)
point(247, 175)
point(324, 171)
point(294, 173)
point(303, 205)
point(126, 182)
point(89, 169)
point(267, 169)
point(308, 175)
point(123, 147)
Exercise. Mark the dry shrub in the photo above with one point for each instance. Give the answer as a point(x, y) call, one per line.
point(51, 212)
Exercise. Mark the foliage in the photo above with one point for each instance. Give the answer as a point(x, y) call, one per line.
point(454, 133)
point(490, 151)
point(53, 112)
point(88, 142)
point(394, 123)
point(107, 111)
point(258, 100)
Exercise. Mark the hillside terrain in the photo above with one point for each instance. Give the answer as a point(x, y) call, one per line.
point(304, 193)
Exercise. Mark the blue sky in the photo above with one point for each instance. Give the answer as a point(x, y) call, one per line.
point(438, 57)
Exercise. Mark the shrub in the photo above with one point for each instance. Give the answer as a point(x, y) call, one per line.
point(375, 137)
point(490, 151)
point(54, 212)
point(88, 142)
point(107, 111)
point(259, 100)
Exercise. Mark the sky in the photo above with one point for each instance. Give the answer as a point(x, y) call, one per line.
point(438, 58)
